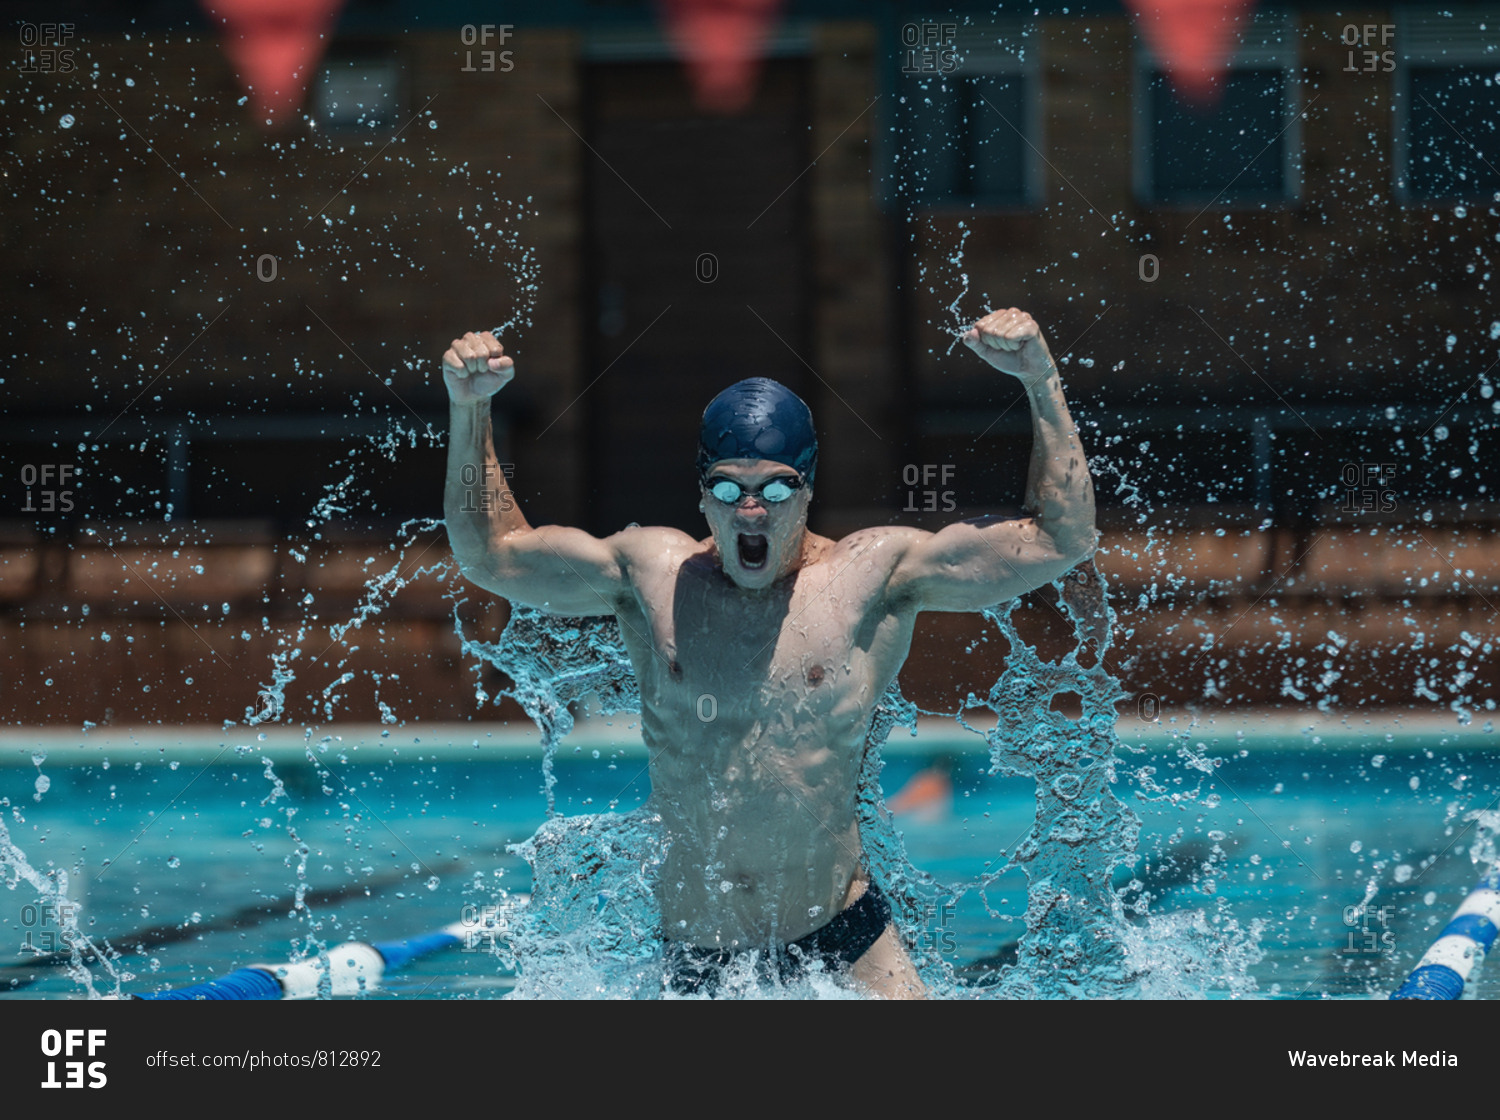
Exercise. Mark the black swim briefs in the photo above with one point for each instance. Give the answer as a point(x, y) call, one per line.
point(838, 944)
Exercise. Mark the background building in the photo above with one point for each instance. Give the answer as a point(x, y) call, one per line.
point(1274, 311)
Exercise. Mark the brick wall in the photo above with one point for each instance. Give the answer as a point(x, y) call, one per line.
point(141, 261)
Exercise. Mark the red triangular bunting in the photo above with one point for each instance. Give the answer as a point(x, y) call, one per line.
point(721, 43)
point(274, 45)
point(1192, 39)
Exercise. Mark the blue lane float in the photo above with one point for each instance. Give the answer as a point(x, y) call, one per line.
point(1445, 968)
point(349, 969)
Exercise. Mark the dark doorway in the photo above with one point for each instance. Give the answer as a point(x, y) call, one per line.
point(697, 274)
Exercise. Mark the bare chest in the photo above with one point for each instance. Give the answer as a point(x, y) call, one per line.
point(817, 650)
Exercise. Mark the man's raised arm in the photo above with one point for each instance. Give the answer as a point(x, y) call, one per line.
point(558, 569)
point(988, 560)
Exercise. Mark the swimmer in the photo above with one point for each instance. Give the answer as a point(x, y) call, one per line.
point(763, 649)
point(928, 794)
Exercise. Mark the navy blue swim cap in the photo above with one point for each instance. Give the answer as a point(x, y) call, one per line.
point(759, 419)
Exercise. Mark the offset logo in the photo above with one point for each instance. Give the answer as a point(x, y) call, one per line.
point(929, 476)
point(44, 48)
point(1363, 936)
point(928, 48)
point(1367, 487)
point(490, 62)
point(1370, 60)
point(74, 1046)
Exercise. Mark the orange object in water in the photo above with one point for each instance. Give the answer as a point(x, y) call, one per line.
point(930, 789)
point(1192, 39)
point(721, 42)
point(274, 45)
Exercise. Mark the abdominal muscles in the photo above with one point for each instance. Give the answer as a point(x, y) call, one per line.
point(759, 815)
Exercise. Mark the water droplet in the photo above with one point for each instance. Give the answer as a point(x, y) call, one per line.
point(432, 883)
point(174, 862)
point(66, 121)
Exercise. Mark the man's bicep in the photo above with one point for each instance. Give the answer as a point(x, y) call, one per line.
point(557, 569)
point(979, 563)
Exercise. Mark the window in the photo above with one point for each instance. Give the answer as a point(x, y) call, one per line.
point(1241, 150)
point(1447, 105)
point(358, 92)
point(967, 114)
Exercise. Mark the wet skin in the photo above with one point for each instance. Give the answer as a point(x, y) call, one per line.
point(755, 705)
point(762, 650)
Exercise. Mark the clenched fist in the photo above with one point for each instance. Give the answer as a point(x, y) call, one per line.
point(475, 368)
point(1011, 341)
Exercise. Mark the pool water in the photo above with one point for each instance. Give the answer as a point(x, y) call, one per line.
point(190, 870)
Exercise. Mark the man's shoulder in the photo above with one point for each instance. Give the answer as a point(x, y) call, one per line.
point(878, 549)
point(877, 553)
point(889, 540)
point(648, 544)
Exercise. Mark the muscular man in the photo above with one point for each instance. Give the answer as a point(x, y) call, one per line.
point(795, 637)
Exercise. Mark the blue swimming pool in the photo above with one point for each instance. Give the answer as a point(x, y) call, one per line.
point(187, 855)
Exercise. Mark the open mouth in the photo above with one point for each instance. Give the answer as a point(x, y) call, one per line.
point(754, 549)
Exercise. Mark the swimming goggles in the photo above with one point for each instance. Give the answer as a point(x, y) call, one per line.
point(730, 492)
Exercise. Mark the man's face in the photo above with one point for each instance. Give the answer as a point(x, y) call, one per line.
point(759, 541)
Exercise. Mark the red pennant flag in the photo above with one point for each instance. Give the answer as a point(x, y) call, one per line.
point(1192, 39)
point(275, 45)
point(721, 42)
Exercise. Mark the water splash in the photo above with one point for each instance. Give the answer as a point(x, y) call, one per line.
point(592, 927)
point(555, 662)
point(51, 888)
